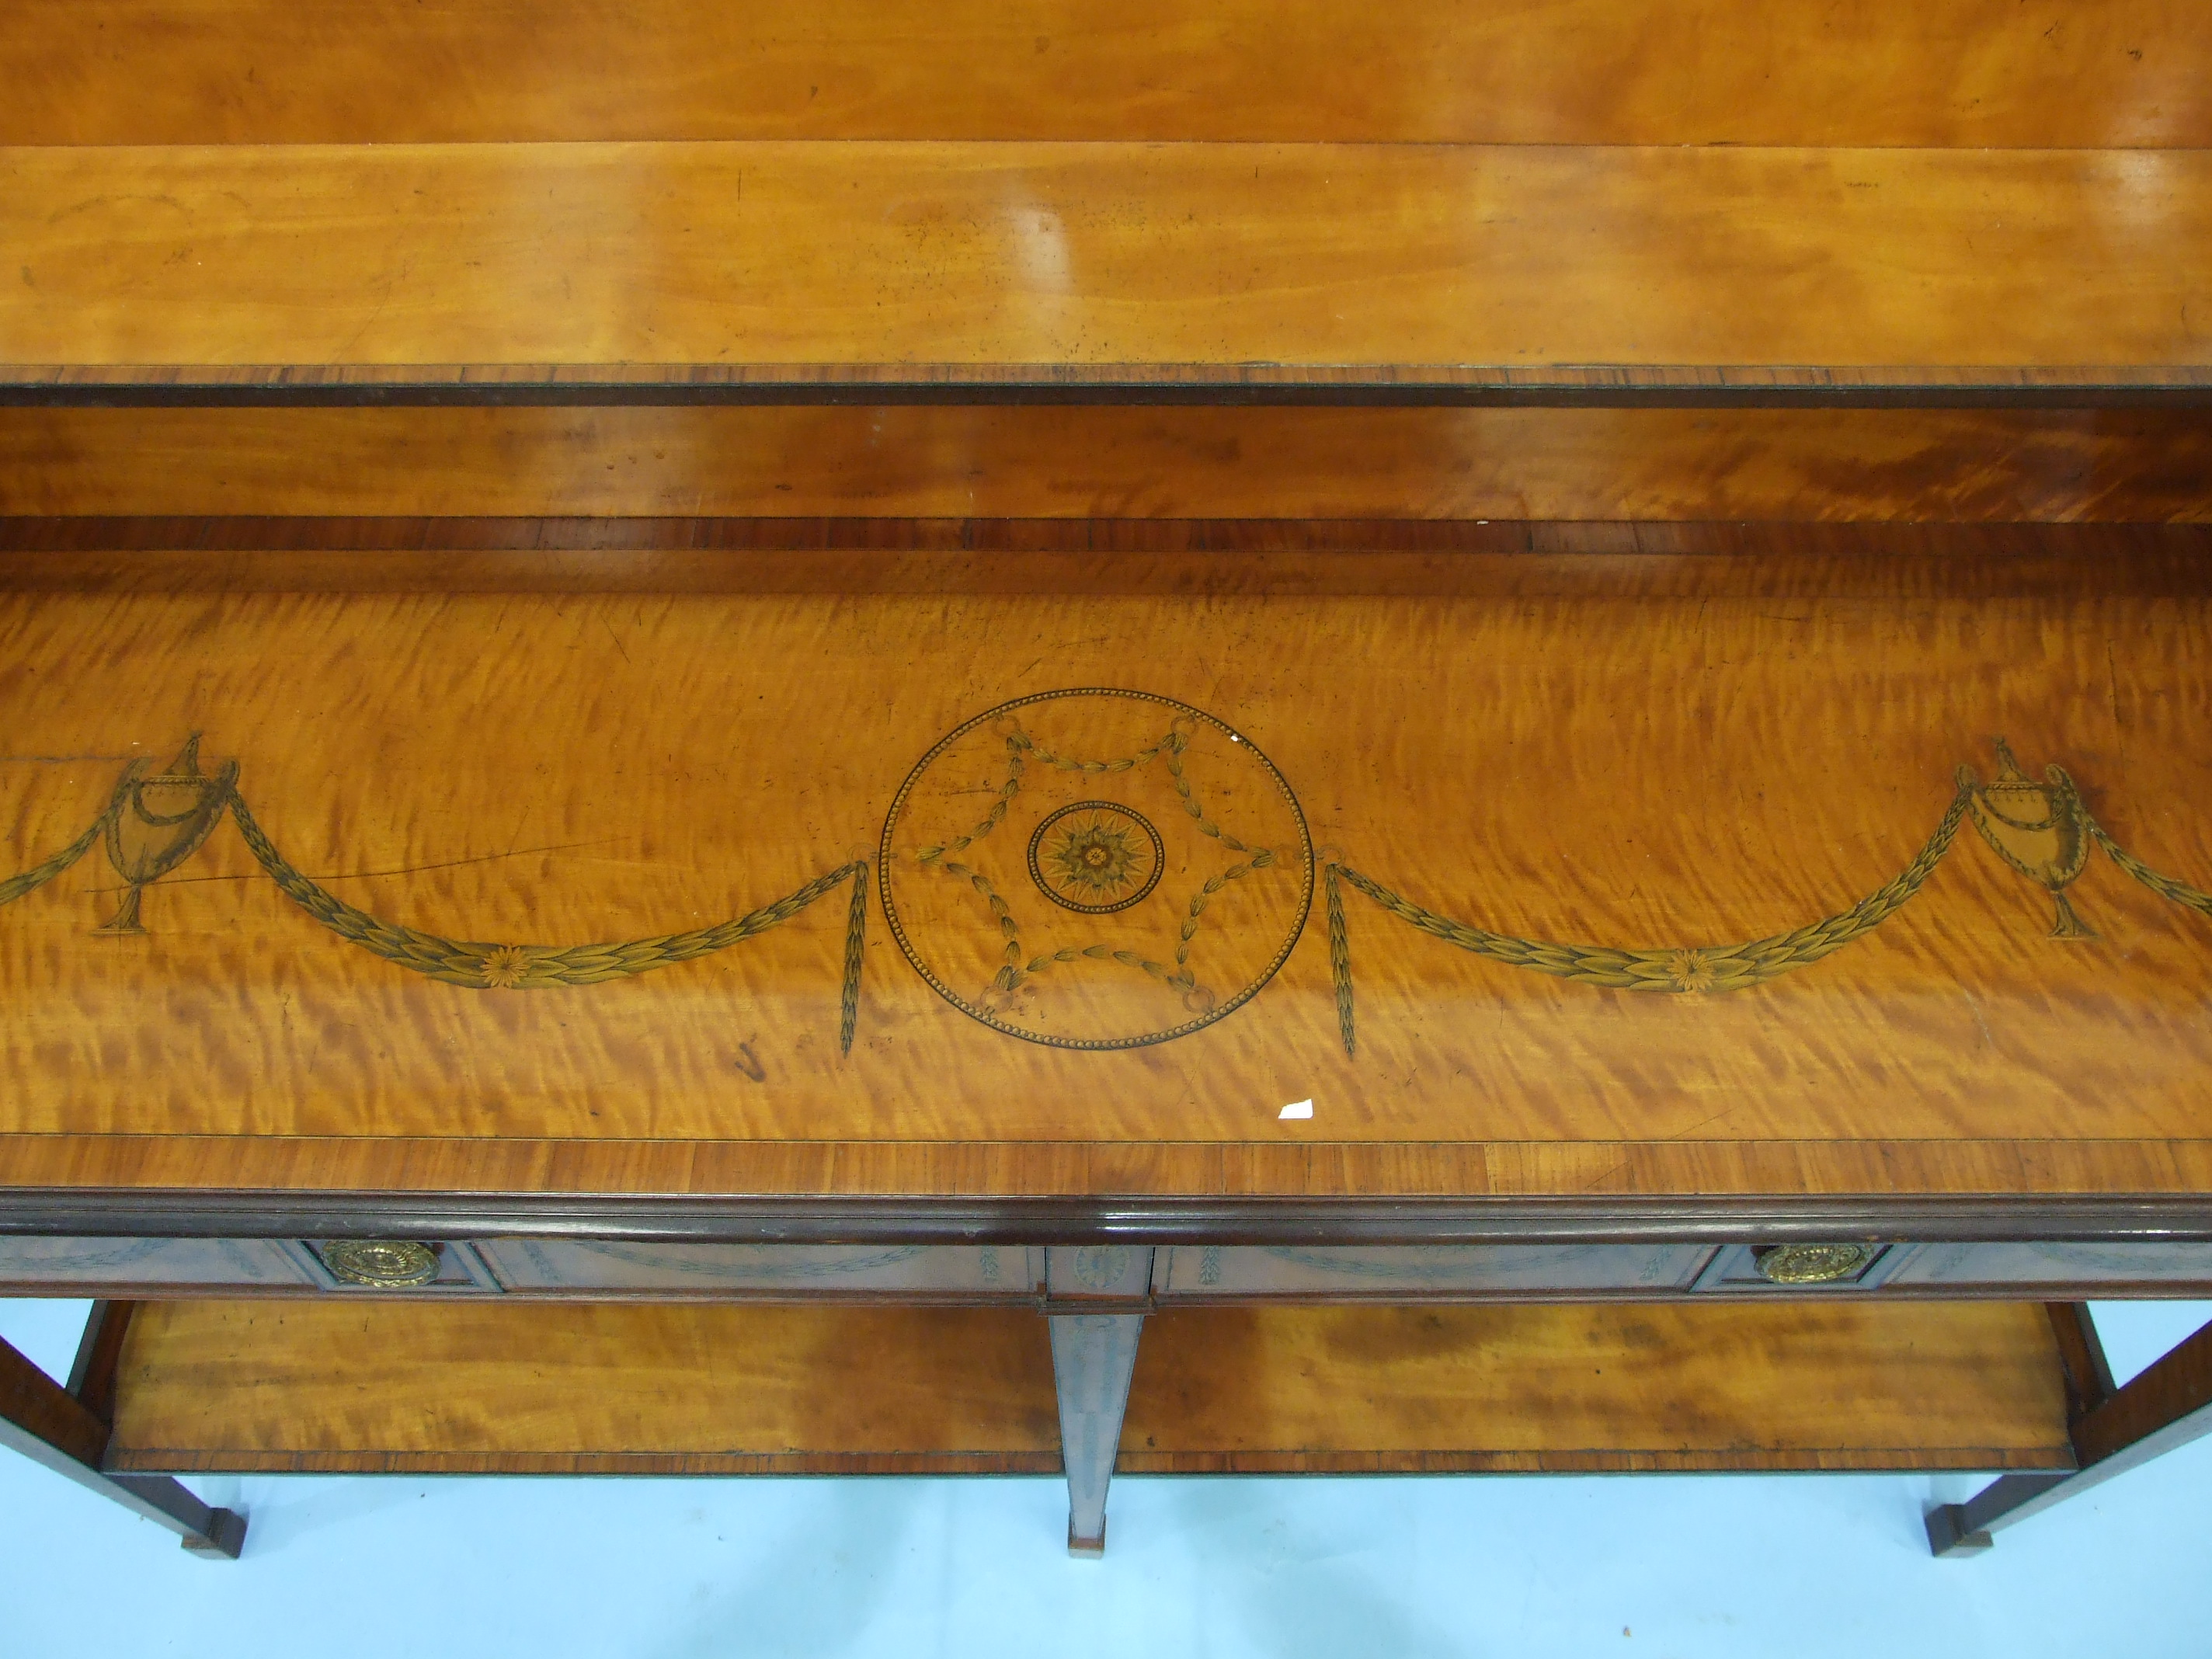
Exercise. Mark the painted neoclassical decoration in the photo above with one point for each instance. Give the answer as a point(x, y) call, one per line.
point(1100, 869)
point(1139, 872)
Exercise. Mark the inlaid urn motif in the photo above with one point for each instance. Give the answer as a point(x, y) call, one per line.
point(2038, 829)
point(158, 819)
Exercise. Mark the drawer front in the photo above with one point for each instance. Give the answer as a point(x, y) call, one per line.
point(2059, 1263)
point(808, 1270)
point(124, 1264)
point(1410, 1271)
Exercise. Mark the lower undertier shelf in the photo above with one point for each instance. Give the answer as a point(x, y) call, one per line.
point(613, 1388)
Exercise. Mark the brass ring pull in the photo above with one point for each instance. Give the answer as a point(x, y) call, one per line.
point(384, 1264)
point(1811, 1264)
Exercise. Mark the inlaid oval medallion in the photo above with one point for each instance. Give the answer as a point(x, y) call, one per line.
point(1096, 857)
point(1096, 869)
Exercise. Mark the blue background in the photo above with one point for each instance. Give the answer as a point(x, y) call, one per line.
point(1643, 1567)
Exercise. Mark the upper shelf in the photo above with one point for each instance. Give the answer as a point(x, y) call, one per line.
point(2016, 73)
point(809, 268)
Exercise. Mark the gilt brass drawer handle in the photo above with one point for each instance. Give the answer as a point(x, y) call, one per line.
point(385, 1264)
point(1811, 1264)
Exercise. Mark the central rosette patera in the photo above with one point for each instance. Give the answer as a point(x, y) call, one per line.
point(1096, 856)
point(1096, 869)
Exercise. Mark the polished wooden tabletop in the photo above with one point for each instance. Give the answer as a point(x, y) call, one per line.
point(1735, 890)
point(631, 604)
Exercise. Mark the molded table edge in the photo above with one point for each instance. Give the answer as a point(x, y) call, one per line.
point(1595, 386)
point(171, 1212)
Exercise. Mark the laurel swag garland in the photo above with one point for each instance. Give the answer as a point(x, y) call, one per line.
point(154, 821)
point(2041, 830)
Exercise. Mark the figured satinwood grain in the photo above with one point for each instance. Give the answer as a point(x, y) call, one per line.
point(1059, 263)
point(585, 1388)
point(1979, 72)
point(1809, 1386)
point(617, 1389)
point(1091, 463)
point(568, 768)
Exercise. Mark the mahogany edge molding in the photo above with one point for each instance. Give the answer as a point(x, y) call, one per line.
point(113, 1211)
point(1594, 385)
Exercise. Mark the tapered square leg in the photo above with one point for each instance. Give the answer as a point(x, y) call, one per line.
point(1093, 1356)
point(2113, 1431)
point(53, 1426)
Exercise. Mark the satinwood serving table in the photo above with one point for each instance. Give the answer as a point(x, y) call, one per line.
point(902, 746)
